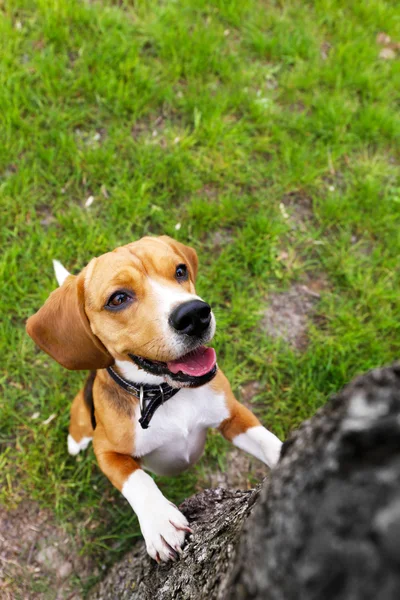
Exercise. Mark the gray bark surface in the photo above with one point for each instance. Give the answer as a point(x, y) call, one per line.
point(326, 524)
point(216, 517)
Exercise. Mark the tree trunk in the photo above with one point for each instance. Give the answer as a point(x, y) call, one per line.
point(325, 525)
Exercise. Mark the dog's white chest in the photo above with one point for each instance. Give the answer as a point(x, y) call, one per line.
point(176, 435)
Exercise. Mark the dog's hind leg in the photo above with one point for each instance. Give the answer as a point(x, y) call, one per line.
point(82, 421)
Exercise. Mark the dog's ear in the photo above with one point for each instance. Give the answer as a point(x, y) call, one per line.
point(61, 328)
point(188, 253)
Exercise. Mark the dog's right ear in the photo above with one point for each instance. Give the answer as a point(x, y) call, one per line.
point(62, 329)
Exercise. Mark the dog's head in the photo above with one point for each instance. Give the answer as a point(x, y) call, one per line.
point(136, 303)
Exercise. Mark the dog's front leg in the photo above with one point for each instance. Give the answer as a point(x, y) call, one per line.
point(163, 525)
point(245, 431)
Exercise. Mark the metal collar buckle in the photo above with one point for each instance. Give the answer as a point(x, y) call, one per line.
point(141, 394)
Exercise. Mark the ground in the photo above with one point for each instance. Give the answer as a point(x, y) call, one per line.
point(39, 558)
point(265, 135)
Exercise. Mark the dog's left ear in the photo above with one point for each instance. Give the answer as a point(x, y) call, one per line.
point(62, 329)
point(188, 253)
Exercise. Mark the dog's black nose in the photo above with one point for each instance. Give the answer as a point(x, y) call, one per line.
point(191, 318)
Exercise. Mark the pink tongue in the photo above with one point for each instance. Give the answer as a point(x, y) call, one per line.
point(196, 363)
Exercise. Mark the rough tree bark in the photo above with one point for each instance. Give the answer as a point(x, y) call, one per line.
point(325, 525)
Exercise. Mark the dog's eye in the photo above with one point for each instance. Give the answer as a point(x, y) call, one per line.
point(181, 273)
point(118, 299)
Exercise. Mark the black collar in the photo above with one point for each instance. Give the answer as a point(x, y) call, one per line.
point(150, 396)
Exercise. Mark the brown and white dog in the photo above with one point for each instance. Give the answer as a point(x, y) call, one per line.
point(133, 318)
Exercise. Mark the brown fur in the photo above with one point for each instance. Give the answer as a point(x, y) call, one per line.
point(116, 466)
point(113, 440)
point(74, 327)
point(80, 425)
point(61, 328)
point(241, 418)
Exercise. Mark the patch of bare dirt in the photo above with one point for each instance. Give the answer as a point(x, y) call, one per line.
point(335, 181)
point(38, 559)
point(10, 170)
point(90, 138)
point(151, 126)
point(297, 206)
point(161, 130)
point(248, 391)
point(46, 216)
point(362, 246)
point(217, 240)
point(317, 283)
point(297, 107)
point(221, 238)
point(288, 313)
point(209, 191)
point(391, 48)
point(325, 50)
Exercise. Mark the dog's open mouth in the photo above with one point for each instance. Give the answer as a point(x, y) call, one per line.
point(196, 363)
point(193, 369)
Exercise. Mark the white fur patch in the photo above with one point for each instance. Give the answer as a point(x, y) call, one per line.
point(168, 298)
point(261, 443)
point(176, 435)
point(75, 447)
point(60, 272)
point(131, 372)
point(162, 524)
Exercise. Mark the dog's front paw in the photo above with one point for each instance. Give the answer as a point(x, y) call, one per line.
point(163, 525)
point(272, 452)
point(164, 529)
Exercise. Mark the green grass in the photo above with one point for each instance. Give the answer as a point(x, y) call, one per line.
point(206, 114)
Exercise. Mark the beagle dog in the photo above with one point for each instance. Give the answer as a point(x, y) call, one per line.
point(132, 317)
